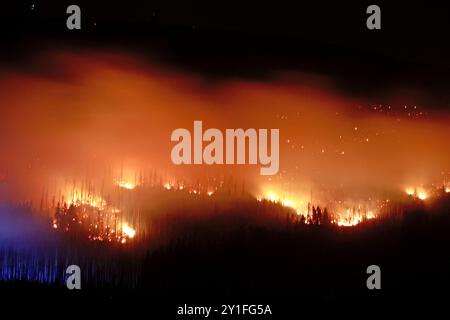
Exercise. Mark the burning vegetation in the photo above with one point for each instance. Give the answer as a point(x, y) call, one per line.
point(98, 174)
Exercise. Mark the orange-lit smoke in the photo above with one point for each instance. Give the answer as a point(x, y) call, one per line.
point(91, 115)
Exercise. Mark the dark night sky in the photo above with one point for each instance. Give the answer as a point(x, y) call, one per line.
point(250, 39)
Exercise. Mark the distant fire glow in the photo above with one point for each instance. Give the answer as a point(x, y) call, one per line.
point(128, 231)
point(168, 186)
point(422, 195)
point(425, 193)
point(410, 191)
point(345, 215)
point(83, 212)
point(87, 164)
point(126, 185)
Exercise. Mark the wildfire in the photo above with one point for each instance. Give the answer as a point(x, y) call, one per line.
point(96, 202)
point(289, 202)
point(168, 186)
point(348, 222)
point(128, 231)
point(418, 192)
point(126, 185)
point(410, 191)
point(353, 217)
point(75, 197)
point(87, 213)
point(350, 218)
point(272, 197)
point(422, 195)
point(370, 215)
point(345, 214)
